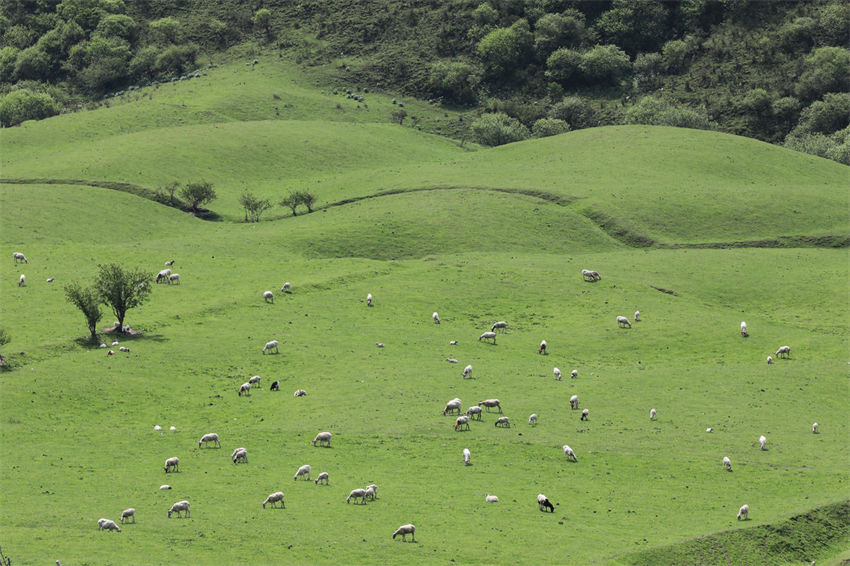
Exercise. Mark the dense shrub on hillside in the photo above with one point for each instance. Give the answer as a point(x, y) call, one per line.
point(456, 81)
point(504, 50)
point(575, 111)
point(498, 129)
point(658, 112)
point(23, 104)
point(545, 127)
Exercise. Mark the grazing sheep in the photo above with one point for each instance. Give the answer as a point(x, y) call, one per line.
point(460, 421)
point(299, 393)
point(269, 297)
point(453, 343)
point(504, 422)
point(727, 463)
point(489, 403)
point(532, 419)
point(51, 279)
point(174, 278)
point(103, 345)
point(786, 350)
point(762, 442)
point(500, 325)
point(107, 525)
point(323, 437)
point(210, 437)
point(574, 374)
point(542, 348)
point(474, 412)
point(709, 430)
point(20, 258)
point(169, 263)
point(543, 503)
point(637, 316)
point(239, 455)
point(110, 353)
point(164, 486)
point(574, 402)
point(254, 381)
point(452, 406)
point(584, 414)
point(287, 288)
point(369, 299)
point(374, 489)
point(127, 513)
point(379, 344)
point(488, 336)
point(451, 360)
point(273, 498)
point(623, 322)
point(180, 507)
point(163, 275)
point(652, 414)
point(570, 455)
point(467, 371)
point(587, 275)
point(172, 464)
point(490, 498)
point(769, 360)
point(743, 512)
point(172, 428)
point(157, 427)
point(302, 471)
point(275, 386)
point(271, 345)
point(370, 493)
point(123, 349)
point(557, 373)
point(356, 494)
point(22, 280)
point(814, 428)
point(744, 332)
point(405, 530)
point(436, 318)
point(322, 477)
point(466, 456)
point(596, 276)
point(244, 389)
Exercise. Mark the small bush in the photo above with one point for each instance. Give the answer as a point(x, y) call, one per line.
point(21, 105)
point(545, 127)
point(498, 129)
point(657, 112)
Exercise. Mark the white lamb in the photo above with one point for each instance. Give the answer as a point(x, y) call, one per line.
point(557, 373)
point(569, 454)
point(467, 371)
point(299, 393)
point(490, 498)
point(211, 437)
point(22, 280)
point(436, 318)
point(127, 514)
point(163, 275)
point(652, 414)
point(164, 486)
point(574, 374)
point(172, 464)
point(727, 463)
point(19, 257)
point(303, 471)
point(584, 414)
point(814, 428)
point(287, 288)
point(488, 336)
point(637, 316)
point(239, 455)
point(369, 299)
point(123, 349)
point(255, 381)
point(374, 489)
point(108, 525)
point(500, 325)
point(323, 437)
point(180, 507)
point(244, 389)
point(474, 412)
point(461, 421)
point(174, 278)
point(273, 498)
point(269, 297)
point(271, 345)
point(744, 329)
point(769, 360)
point(503, 422)
point(542, 348)
point(323, 477)
point(574, 402)
point(743, 512)
point(762, 442)
point(623, 322)
point(451, 360)
point(357, 494)
point(532, 420)
point(786, 350)
point(405, 530)
point(466, 456)
point(370, 493)
point(169, 263)
point(452, 406)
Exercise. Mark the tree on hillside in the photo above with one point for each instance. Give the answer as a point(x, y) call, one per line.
point(87, 300)
point(291, 201)
point(198, 194)
point(254, 207)
point(262, 20)
point(306, 198)
point(122, 289)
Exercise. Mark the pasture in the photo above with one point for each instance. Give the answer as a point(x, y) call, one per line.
point(487, 235)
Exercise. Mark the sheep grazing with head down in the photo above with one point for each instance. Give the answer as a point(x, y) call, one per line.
point(172, 465)
point(500, 325)
point(180, 507)
point(590, 276)
point(451, 360)
point(574, 402)
point(276, 497)
point(127, 514)
point(490, 403)
point(574, 374)
point(323, 477)
point(637, 316)
point(532, 419)
point(503, 422)
point(453, 343)
point(207, 438)
point(240, 455)
point(557, 373)
point(762, 442)
point(174, 278)
point(299, 393)
point(584, 414)
point(744, 332)
point(287, 288)
point(569, 454)
point(369, 299)
point(743, 512)
point(108, 525)
point(164, 486)
point(727, 463)
point(452, 406)
point(405, 530)
point(275, 385)
point(169, 263)
point(474, 412)
point(461, 421)
point(355, 495)
point(271, 345)
point(652, 414)
point(163, 275)
point(466, 457)
point(436, 317)
point(244, 389)
point(542, 348)
point(490, 498)
point(814, 428)
point(623, 322)
point(782, 352)
point(323, 437)
point(467, 371)
point(769, 360)
point(302, 471)
point(371, 493)
point(19, 257)
point(22, 280)
point(269, 297)
point(544, 504)
point(254, 381)
point(488, 336)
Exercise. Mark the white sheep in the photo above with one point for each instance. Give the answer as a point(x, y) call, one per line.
point(405, 530)
point(174, 278)
point(287, 288)
point(163, 275)
point(574, 374)
point(743, 512)
point(127, 513)
point(574, 402)
point(369, 299)
point(108, 525)
point(762, 442)
point(210, 437)
point(814, 428)
point(271, 345)
point(474, 412)
point(255, 381)
point(543, 503)
point(239, 455)
point(466, 456)
point(500, 325)
point(172, 464)
point(569, 454)
point(124, 349)
point(172, 428)
point(557, 373)
point(769, 360)
point(180, 507)
point(542, 348)
point(19, 257)
point(532, 419)
point(323, 477)
point(584, 414)
point(451, 360)
point(436, 317)
point(503, 422)
point(115, 342)
point(273, 498)
point(709, 430)
point(727, 463)
point(169, 263)
point(490, 498)
point(652, 414)
point(370, 493)
point(461, 421)
point(453, 343)
point(268, 296)
point(467, 371)
point(299, 393)
point(244, 389)
point(488, 336)
point(452, 406)
point(786, 350)
point(357, 494)
point(50, 279)
point(323, 437)
point(744, 332)
point(587, 275)
point(374, 488)
point(110, 353)
point(379, 344)
point(22, 280)
point(157, 428)
point(490, 403)
point(623, 322)
point(637, 316)
point(303, 471)
point(164, 486)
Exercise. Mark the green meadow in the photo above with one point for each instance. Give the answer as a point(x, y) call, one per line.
point(697, 230)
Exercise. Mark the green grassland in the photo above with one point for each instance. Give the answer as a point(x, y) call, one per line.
point(478, 236)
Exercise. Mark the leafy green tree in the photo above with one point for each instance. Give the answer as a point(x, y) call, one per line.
point(87, 300)
point(117, 25)
point(545, 127)
point(143, 63)
point(634, 25)
point(198, 194)
point(23, 104)
point(604, 64)
point(86, 13)
point(254, 207)
point(504, 50)
point(166, 30)
point(833, 24)
point(675, 54)
point(658, 112)
point(306, 198)
point(262, 20)
point(122, 289)
point(498, 129)
point(825, 70)
point(648, 70)
point(485, 15)
point(563, 65)
point(575, 111)
point(33, 63)
point(176, 59)
point(825, 116)
point(291, 201)
point(457, 81)
point(8, 58)
point(549, 33)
